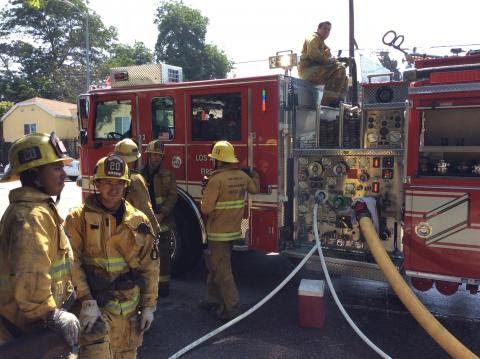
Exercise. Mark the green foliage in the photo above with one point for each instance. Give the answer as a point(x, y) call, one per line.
point(125, 55)
point(43, 49)
point(5, 106)
point(181, 42)
point(390, 64)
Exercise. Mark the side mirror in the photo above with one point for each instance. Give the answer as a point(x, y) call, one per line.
point(83, 109)
point(83, 136)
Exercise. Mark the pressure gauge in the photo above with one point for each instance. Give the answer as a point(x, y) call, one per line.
point(372, 137)
point(315, 169)
point(340, 169)
point(394, 136)
point(326, 161)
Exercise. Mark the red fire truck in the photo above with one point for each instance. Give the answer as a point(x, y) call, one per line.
point(418, 160)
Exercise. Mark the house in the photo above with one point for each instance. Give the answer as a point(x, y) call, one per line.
point(40, 115)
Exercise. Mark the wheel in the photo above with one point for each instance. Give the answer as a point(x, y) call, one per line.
point(186, 239)
point(72, 178)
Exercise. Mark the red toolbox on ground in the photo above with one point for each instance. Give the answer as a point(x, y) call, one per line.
point(311, 303)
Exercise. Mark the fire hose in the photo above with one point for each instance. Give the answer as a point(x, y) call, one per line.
point(431, 325)
point(444, 338)
point(318, 247)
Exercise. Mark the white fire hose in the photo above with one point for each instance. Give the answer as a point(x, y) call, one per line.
point(277, 289)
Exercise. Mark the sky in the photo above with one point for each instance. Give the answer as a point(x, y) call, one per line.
point(253, 30)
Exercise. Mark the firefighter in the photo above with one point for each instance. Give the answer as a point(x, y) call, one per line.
point(223, 202)
point(319, 67)
point(138, 196)
point(162, 187)
point(137, 192)
point(115, 272)
point(35, 255)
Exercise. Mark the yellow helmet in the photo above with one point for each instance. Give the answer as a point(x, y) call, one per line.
point(34, 150)
point(155, 146)
point(111, 167)
point(127, 149)
point(223, 151)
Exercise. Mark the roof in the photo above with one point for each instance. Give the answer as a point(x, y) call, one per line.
point(54, 108)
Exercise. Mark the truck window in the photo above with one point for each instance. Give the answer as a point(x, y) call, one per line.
point(217, 117)
point(113, 119)
point(163, 125)
point(450, 142)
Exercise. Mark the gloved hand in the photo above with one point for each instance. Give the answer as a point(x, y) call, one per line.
point(146, 318)
point(65, 322)
point(89, 315)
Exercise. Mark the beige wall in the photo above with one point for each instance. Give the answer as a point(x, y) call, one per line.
point(13, 124)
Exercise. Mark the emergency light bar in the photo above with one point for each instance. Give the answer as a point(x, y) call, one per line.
point(147, 74)
point(283, 59)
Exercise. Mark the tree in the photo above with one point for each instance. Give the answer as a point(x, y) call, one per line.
point(5, 106)
point(43, 48)
point(181, 42)
point(390, 64)
point(125, 55)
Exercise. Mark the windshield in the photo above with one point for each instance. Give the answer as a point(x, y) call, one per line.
point(113, 119)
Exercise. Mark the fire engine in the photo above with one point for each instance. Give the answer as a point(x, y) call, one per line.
point(413, 146)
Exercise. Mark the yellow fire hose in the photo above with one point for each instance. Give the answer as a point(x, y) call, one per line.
point(433, 327)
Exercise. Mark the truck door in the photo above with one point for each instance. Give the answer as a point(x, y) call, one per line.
point(263, 155)
point(114, 118)
point(211, 116)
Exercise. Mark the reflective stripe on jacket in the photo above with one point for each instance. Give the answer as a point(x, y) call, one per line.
point(35, 258)
point(98, 242)
point(224, 201)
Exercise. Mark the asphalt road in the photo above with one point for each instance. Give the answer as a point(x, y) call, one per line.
point(273, 331)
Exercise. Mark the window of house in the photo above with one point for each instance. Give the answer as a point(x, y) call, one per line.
point(29, 128)
point(217, 117)
point(113, 119)
point(163, 119)
point(122, 124)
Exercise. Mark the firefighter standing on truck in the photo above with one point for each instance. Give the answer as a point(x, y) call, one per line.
point(162, 187)
point(35, 255)
point(319, 67)
point(137, 192)
point(223, 202)
point(115, 272)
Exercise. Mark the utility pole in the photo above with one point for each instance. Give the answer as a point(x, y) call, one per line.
point(351, 53)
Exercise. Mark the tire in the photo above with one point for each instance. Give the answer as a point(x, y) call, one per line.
point(186, 238)
point(72, 178)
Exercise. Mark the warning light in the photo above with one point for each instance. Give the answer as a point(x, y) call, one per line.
point(387, 174)
point(264, 100)
point(375, 187)
point(376, 162)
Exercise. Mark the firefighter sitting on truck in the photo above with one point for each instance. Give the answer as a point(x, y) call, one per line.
point(223, 202)
point(35, 255)
point(115, 272)
point(319, 67)
point(137, 192)
point(162, 187)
